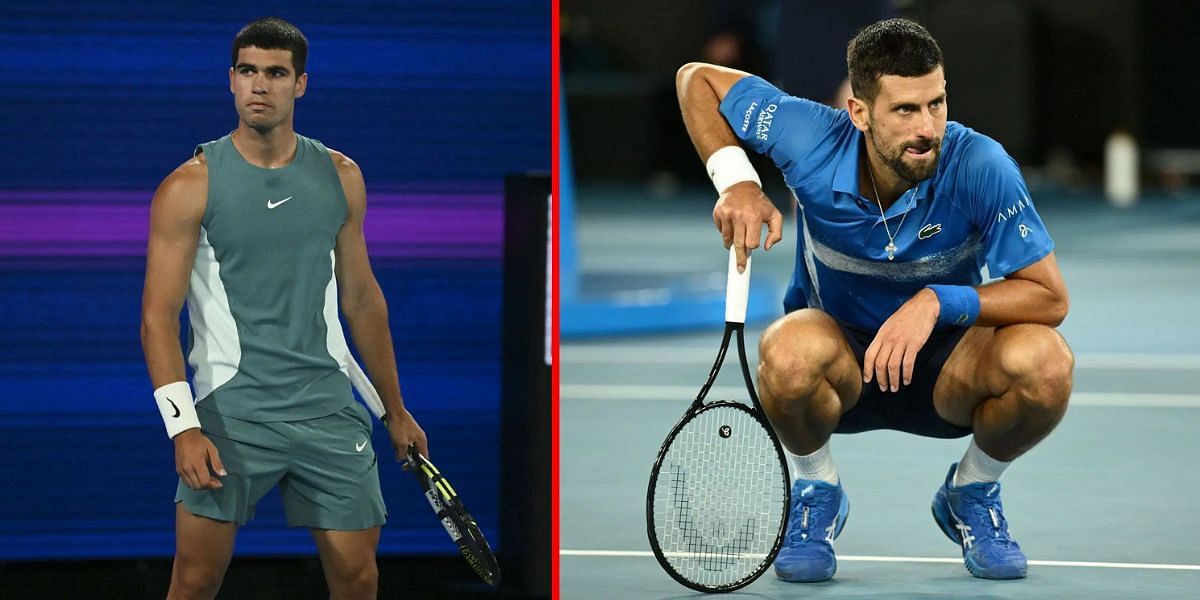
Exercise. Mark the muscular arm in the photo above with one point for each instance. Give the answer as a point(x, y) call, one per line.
point(360, 296)
point(365, 309)
point(701, 88)
point(1035, 294)
point(175, 214)
point(742, 208)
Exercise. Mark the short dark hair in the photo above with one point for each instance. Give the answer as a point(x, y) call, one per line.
point(273, 33)
point(889, 47)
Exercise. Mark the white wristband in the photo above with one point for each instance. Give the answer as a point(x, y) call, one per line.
point(728, 166)
point(177, 407)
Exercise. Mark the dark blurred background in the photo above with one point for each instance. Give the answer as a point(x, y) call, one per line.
point(99, 101)
point(1051, 80)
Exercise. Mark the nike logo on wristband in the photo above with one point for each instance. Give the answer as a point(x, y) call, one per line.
point(176, 415)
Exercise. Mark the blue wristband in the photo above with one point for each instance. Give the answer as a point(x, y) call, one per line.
point(960, 304)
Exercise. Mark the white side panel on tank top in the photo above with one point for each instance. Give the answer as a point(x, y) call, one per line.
point(335, 339)
point(216, 349)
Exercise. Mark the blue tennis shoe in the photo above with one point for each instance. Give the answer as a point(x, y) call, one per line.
point(972, 517)
point(819, 512)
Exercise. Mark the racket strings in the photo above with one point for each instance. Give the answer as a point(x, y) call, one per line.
point(719, 499)
point(694, 538)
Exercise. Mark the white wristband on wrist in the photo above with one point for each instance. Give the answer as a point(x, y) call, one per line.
point(177, 407)
point(730, 165)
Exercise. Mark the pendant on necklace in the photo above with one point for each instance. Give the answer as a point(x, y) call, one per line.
point(891, 250)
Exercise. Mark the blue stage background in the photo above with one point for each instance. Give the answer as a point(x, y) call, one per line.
point(99, 101)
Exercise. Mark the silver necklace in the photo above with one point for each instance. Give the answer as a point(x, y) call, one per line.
point(891, 246)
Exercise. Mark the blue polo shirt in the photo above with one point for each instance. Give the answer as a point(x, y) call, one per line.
point(975, 210)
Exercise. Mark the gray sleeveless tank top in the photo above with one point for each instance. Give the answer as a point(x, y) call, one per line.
point(265, 342)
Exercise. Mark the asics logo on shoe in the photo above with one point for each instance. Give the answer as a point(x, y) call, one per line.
point(964, 530)
point(806, 491)
point(992, 490)
point(830, 530)
point(359, 447)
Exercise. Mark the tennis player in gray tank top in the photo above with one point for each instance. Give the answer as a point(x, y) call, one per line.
point(260, 232)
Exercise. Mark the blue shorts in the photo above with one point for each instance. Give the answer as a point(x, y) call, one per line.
point(909, 409)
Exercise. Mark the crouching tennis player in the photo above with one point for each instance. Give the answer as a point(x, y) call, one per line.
point(887, 324)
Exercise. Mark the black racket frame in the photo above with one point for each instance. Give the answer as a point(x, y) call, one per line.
point(471, 543)
point(696, 408)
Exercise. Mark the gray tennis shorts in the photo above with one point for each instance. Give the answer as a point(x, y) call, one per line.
point(325, 467)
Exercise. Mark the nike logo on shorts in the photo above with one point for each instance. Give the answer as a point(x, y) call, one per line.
point(359, 447)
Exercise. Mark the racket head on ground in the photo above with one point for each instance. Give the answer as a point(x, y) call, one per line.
point(455, 518)
point(717, 503)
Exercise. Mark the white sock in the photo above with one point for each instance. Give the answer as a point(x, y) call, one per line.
point(818, 465)
point(977, 467)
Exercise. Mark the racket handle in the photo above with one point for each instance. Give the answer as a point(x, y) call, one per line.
point(737, 290)
point(362, 384)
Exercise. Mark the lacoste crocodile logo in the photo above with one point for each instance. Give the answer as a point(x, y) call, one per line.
point(929, 231)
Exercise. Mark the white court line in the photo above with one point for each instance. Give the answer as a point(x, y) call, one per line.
point(914, 559)
point(684, 393)
point(686, 355)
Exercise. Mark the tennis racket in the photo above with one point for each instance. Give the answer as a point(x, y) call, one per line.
point(449, 509)
point(717, 503)
point(455, 519)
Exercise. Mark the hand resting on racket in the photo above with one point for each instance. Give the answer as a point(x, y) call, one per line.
point(197, 461)
point(742, 208)
point(739, 215)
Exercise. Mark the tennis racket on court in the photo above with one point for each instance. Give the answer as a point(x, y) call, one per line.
point(717, 503)
point(449, 509)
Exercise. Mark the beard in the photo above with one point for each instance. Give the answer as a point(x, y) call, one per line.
point(893, 157)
